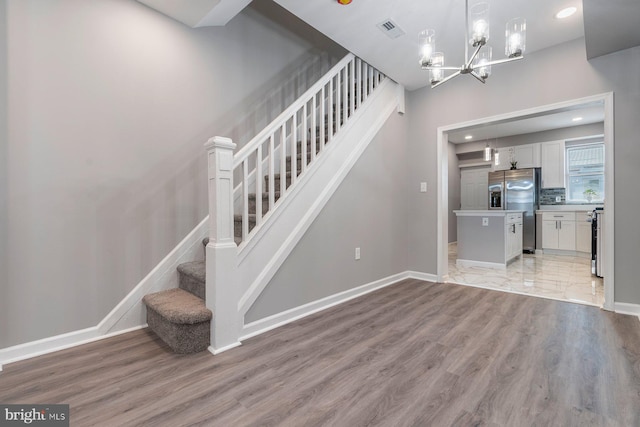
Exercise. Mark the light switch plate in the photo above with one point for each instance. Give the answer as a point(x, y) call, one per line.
point(485, 222)
point(423, 187)
point(357, 253)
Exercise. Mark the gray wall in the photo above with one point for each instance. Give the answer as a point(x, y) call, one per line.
point(454, 191)
point(368, 210)
point(110, 104)
point(4, 320)
point(552, 75)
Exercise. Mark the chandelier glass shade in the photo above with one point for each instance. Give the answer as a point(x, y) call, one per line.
point(478, 61)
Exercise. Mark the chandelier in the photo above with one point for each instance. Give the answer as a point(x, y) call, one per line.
point(476, 35)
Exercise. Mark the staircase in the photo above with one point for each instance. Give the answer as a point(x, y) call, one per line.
point(284, 176)
point(180, 316)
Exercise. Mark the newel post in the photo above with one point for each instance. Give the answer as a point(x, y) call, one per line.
point(221, 287)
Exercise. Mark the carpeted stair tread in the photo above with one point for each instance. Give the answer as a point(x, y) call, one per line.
point(194, 269)
point(238, 218)
point(178, 306)
point(265, 196)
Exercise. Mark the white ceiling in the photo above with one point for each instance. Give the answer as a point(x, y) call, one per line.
point(354, 27)
point(590, 113)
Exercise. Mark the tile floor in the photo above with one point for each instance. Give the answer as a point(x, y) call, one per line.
point(565, 278)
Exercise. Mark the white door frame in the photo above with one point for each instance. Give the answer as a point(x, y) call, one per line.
point(443, 184)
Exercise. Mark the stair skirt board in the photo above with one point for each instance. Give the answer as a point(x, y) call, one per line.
point(130, 314)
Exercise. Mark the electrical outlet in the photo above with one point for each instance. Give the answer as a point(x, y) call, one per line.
point(357, 253)
point(485, 222)
point(558, 199)
point(423, 187)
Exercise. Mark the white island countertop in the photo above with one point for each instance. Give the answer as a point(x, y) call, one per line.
point(492, 212)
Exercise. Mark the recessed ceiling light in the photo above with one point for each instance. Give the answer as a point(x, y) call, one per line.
point(468, 137)
point(576, 119)
point(566, 12)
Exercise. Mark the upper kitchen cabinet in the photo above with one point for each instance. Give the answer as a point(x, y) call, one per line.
point(552, 164)
point(527, 156)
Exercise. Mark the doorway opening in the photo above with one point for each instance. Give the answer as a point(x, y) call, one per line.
point(490, 127)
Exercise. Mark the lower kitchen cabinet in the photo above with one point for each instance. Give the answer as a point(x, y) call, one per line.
point(559, 231)
point(513, 237)
point(583, 235)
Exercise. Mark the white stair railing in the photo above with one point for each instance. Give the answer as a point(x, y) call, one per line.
point(296, 138)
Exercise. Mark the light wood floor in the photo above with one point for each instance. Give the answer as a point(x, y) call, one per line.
point(413, 354)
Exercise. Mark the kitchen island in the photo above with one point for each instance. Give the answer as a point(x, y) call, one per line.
point(488, 238)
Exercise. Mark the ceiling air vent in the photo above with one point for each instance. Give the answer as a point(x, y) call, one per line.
point(391, 29)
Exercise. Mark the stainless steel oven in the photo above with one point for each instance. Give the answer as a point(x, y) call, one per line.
point(597, 242)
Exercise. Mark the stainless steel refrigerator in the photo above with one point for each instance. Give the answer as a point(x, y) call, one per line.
point(518, 190)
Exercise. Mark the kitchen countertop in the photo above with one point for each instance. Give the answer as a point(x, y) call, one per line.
point(569, 208)
point(493, 212)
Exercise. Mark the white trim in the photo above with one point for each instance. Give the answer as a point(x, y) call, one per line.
point(609, 205)
point(57, 343)
point(472, 263)
point(339, 162)
point(626, 308)
point(214, 351)
point(442, 179)
point(427, 277)
point(275, 321)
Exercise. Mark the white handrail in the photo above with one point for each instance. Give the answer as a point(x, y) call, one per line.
point(286, 114)
point(302, 130)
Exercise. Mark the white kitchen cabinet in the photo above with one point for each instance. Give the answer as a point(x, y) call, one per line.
point(583, 233)
point(559, 231)
point(527, 156)
point(504, 164)
point(474, 193)
point(552, 164)
point(513, 236)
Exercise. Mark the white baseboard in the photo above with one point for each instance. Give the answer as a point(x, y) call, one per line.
point(422, 276)
point(57, 343)
point(626, 308)
point(130, 314)
point(275, 321)
point(215, 351)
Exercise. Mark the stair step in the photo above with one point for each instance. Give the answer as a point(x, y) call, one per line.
point(276, 180)
point(237, 224)
point(192, 277)
point(265, 201)
point(180, 319)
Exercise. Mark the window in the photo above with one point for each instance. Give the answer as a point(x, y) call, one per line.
point(585, 173)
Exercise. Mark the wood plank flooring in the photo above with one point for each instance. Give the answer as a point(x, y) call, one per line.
point(412, 354)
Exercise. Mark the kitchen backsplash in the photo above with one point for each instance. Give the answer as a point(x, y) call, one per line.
point(548, 196)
